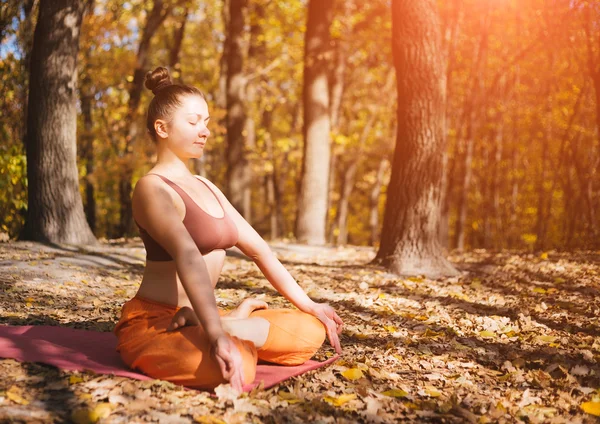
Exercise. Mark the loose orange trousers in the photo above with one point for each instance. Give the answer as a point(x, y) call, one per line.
point(183, 356)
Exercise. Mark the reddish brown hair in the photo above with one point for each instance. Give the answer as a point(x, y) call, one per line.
point(167, 97)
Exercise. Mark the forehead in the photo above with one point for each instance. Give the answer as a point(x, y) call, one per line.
point(193, 104)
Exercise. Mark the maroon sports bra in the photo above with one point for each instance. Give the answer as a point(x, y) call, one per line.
point(209, 233)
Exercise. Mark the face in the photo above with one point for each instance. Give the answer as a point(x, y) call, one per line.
point(187, 132)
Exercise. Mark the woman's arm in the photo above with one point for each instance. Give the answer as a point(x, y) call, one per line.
point(253, 245)
point(155, 212)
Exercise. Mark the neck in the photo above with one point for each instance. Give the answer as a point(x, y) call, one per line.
point(171, 164)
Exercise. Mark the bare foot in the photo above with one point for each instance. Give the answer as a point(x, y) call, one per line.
point(183, 318)
point(245, 308)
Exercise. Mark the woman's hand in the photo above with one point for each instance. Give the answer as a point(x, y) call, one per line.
point(184, 317)
point(332, 322)
point(245, 308)
point(229, 359)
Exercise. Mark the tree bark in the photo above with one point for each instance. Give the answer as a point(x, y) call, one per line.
point(55, 209)
point(175, 51)
point(374, 201)
point(312, 202)
point(87, 141)
point(237, 162)
point(156, 17)
point(409, 243)
point(471, 114)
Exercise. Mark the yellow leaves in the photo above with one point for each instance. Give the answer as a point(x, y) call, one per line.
point(390, 328)
point(432, 391)
point(545, 339)
point(14, 394)
point(432, 334)
point(208, 419)
point(487, 334)
point(539, 290)
point(340, 400)
point(395, 393)
point(353, 374)
point(591, 408)
point(74, 379)
point(289, 397)
point(91, 415)
point(544, 256)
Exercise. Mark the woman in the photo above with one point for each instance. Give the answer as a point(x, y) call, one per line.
point(172, 329)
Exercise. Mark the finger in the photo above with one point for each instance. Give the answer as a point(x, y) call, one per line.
point(181, 321)
point(223, 367)
point(339, 323)
point(334, 340)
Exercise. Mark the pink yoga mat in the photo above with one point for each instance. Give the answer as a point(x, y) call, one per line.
point(72, 349)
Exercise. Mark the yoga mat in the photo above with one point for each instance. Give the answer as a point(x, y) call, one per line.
point(81, 350)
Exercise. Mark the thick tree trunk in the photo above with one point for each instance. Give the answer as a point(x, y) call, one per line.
point(312, 202)
point(156, 17)
point(87, 139)
point(237, 162)
point(55, 209)
point(409, 243)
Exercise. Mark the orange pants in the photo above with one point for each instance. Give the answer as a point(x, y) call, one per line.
point(183, 356)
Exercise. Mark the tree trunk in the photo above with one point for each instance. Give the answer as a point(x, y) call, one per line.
point(87, 141)
point(471, 114)
point(221, 97)
point(27, 42)
point(55, 209)
point(156, 17)
point(409, 243)
point(346, 191)
point(541, 221)
point(451, 31)
point(374, 201)
point(312, 202)
point(237, 162)
point(175, 51)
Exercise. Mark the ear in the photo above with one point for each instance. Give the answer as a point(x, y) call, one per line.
point(161, 128)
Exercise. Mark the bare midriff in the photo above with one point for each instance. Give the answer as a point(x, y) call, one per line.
point(162, 284)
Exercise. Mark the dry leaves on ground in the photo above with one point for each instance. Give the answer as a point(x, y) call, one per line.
point(516, 338)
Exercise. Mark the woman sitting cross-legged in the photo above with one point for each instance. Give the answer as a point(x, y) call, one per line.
point(172, 329)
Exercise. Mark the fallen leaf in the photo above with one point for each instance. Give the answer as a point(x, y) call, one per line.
point(353, 374)
point(14, 394)
point(591, 408)
point(396, 393)
point(289, 397)
point(207, 419)
point(340, 400)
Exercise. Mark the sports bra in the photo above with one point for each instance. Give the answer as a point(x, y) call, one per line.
point(208, 232)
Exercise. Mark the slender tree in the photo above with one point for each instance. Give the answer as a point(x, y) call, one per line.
point(312, 203)
point(409, 243)
point(55, 209)
point(237, 162)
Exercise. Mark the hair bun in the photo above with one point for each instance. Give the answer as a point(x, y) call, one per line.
point(158, 79)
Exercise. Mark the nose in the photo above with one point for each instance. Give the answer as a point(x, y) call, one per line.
point(204, 131)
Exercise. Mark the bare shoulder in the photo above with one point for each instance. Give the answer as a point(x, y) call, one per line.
point(147, 187)
point(151, 194)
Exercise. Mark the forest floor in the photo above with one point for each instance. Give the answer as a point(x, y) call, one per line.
point(515, 338)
